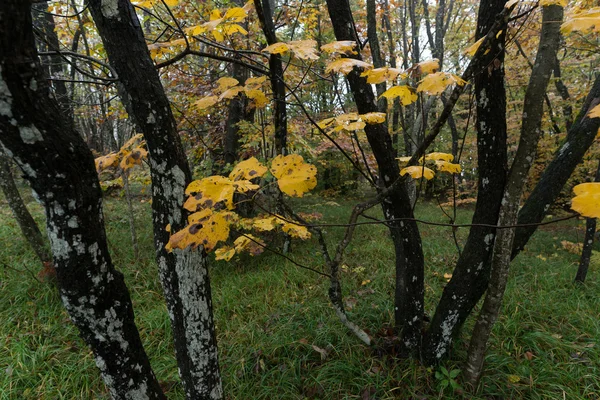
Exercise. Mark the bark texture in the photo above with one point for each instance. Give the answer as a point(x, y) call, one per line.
point(61, 171)
point(470, 277)
point(184, 274)
point(588, 242)
point(405, 235)
point(531, 125)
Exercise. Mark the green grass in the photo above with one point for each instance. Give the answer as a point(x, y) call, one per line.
point(270, 313)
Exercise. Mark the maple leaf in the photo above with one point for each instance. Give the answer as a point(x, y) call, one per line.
point(230, 29)
point(296, 231)
point(236, 14)
point(439, 156)
point(255, 82)
point(587, 199)
point(445, 166)
point(304, 49)
point(248, 169)
point(224, 253)
point(208, 231)
point(417, 172)
point(268, 223)
point(231, 92)
point(225, 83)
point(131, 158)
point(206, 102)
point(379, 75)
point(277, 48)
point(258, 97)
point(340, 47)
point(294, 177)
point(406, 93)
point(250, 244)
point(373, 117)
point(594, 112)
point(437, 82)
point(209, 191)
point(107, 161)
point(346, 65)
point(427, 67)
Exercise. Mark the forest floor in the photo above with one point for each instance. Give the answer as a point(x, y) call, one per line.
point(280, 339)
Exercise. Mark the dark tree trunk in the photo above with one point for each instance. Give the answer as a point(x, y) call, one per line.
point(61, 171)
point(265, 16)
point(235, 114)
point(588, 242)
point(579, 139)
point(470, 277)
point(531, 126)
point(375, 51)
point(28, 226)
point(184, 274)
point(405, 235)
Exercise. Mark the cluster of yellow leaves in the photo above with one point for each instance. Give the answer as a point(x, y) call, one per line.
point(221, 26)
point(303, 49)
point(442, 163)
point(436, 83)
point(587, 199)
point(207, 227)
point(351, 121)
point(228, 88)
point(406, 93)
point(153, 3)
point(585, 21)
point(385, 74)
point(346, 65)
point(129, 155)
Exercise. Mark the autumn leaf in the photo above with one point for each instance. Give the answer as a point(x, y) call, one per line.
point(250, 244)
point(236, 14)
point(404, 160)
point(294, 177)
point(277, 48)
point(587, 199)
point(585, 21)
point(255, 82)
point(209, 191)
point(445, 166)
point(545, 3)
point(224, 253)
point(207, 232)
point(428, 67)
point(268, 223)
point(472, 49)
point(436, 83)
point(206, 102)
point(406, 93)
point(107, 161)
point(373, 117)
point(132, 158)
point(296, 231)
point(340, 47)
point(417, 172)
point(305, 49)
point(379, 75)
point(231, 92)
point(346, 65)
point(258, 97)
point(594, 112)
point(439, 156)
point(248, 169)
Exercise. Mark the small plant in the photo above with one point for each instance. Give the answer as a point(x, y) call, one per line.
point(447, 378)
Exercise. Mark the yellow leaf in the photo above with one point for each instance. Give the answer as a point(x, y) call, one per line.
point(472, 49)
point(214, 228)
point(224, 253)
point(304, 49)
point(199, 216)
point(248, 169)
point(132, 158)
point(206, 102)
point(296, 231)
point(230, 29)
point(514, 378)
point(373, 117)
point(341, 47)
point(594, 112)
point(346, 65)
point(354, 126)
point(268, 223)
point(294, 177)
point(210, 191)
point(237, 14)
point(250, 244)
point(436, 83)
point(445, 166)
point(439, 156)
point(218, 35)
point(510, 3)
point(429, 66)
point(407, 94)
point(255, 82)
point(215, 15)
point(171, 3)
point(231, 92)
point(226, 82)
point(324, 123)
point(585, 21)
point(345, 118)
point(587, 199)
point(107, 161)
point(403, 159)
point(259, 99)
point(379, 75)
point(277, 48)
point(417, 172)
point(196, 30)
point(562, 3)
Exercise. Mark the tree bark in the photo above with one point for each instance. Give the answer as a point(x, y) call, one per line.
point(588, 242)
point(531, 126)
point(184, 274)
point(470, 277)
point(61, 171)
point(409, 289)
point(28, 226)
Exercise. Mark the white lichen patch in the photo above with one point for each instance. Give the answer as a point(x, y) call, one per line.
point(447, 327)
point(73, 222)
point(30, 134)
point(5, 98)
point(110, 8)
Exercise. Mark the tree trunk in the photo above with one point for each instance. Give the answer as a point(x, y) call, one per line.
point(531, 125)
point(588, 242)
point(405, 235)
point(61, 171)
point(470, 277)
point(184, 274)
point(28, 226)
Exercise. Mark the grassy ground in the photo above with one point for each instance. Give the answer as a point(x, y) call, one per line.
point(280, 339)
